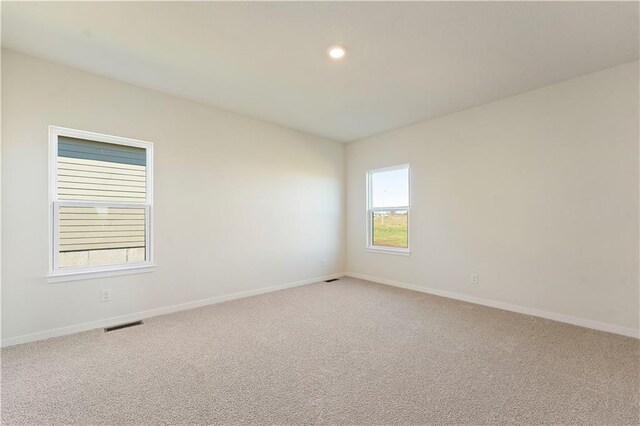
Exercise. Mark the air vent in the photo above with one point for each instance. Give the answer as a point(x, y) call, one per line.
point(331, 280)
point(118, 327)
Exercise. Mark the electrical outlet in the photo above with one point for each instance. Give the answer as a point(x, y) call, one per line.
point(324, 262)
point(474, 278)
point(105, 295)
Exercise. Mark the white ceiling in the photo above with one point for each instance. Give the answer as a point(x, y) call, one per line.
point(406, 62)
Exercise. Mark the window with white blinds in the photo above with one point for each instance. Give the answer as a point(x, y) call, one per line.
point(101, 202)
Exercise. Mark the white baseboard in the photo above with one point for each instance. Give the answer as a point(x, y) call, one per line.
point(109, 322)
point(582, 322)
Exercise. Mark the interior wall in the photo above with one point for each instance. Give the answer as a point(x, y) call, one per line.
point(239, 204)
point(537, 194)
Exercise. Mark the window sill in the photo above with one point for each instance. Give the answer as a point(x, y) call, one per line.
point(384, 250)
point(90, 274)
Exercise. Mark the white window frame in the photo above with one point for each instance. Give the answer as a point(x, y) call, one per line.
point(57, 274)
point(370, 210)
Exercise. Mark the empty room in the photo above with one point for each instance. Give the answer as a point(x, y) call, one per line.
point(300, 213)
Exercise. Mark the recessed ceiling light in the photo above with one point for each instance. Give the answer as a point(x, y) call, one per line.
point(336, 51)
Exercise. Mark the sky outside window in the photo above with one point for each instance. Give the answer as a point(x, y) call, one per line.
point(390, 188)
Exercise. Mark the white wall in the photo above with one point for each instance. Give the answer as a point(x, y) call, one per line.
point(537, 194)
point(240, 204)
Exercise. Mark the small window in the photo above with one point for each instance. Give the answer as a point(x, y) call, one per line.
point(100, 203)
point(388, 209)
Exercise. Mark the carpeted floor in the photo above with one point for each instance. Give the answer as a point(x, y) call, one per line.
point(347, 352)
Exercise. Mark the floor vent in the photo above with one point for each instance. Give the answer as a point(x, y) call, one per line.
point(118, 327)
point(331, 280)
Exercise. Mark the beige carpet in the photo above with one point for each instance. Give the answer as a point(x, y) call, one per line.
point(347, 352)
